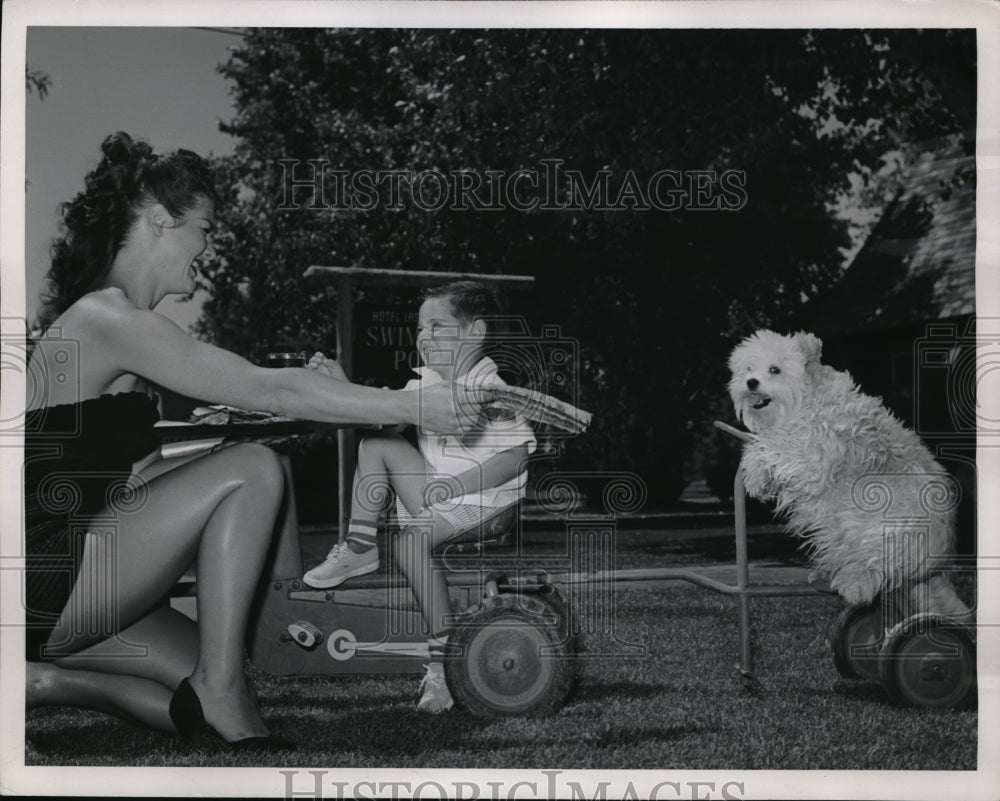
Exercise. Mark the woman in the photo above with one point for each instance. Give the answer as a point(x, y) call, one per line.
point(133, 236)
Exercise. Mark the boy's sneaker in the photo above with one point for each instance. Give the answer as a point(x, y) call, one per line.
point(436, 698)
point(341, 564)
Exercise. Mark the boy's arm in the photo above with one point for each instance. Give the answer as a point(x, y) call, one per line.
point(496, 470)
point(328, 367)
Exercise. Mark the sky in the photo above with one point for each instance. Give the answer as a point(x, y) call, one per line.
point(160, 84)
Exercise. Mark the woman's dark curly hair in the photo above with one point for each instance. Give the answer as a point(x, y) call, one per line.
point(97, 221)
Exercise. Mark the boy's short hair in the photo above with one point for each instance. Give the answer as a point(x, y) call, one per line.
point(469, 301)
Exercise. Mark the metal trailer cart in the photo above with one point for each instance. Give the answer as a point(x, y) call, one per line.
point(921, 660)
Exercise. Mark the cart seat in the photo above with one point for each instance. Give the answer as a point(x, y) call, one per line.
point(494, 529)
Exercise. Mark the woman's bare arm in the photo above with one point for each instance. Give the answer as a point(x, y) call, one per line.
point(149, 345)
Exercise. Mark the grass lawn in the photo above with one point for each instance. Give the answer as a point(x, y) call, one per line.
point(677, 705)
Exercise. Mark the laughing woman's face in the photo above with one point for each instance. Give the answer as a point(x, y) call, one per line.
point(189, 240)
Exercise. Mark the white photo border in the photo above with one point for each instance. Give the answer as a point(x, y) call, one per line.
point(984, 16)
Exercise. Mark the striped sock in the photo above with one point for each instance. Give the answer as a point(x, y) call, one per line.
point(361, 535)
point(437, 647)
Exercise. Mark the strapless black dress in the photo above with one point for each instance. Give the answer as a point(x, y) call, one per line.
point(77, 459)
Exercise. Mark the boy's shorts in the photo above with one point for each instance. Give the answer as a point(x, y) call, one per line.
point(494, 520)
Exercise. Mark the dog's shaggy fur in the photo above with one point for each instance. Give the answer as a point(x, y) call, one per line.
point(874, 507)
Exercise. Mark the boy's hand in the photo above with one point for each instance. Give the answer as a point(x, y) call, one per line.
point(328, 367)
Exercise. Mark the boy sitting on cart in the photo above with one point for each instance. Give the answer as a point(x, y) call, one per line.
point(447, 486)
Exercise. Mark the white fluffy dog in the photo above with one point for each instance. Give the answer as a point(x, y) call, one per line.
point(874, 507)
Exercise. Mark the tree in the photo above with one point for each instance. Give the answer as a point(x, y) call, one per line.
point(655, 297)
point(36, 80)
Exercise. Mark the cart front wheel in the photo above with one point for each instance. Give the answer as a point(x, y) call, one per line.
point(930, 661)
point(857, 640)
point(512, 658)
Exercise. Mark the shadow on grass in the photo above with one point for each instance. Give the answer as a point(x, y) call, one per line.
point(358, 731)
point(386, 723)
point(80, 734)
point(860, 690)
point(602, 691)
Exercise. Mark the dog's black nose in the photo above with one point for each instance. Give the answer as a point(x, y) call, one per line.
point(753, 383)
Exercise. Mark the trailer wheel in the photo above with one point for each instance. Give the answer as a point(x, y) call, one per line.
point(856, 640)
point(512, 659)
point(930, 661)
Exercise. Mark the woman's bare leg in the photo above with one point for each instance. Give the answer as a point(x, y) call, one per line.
point(219, 509)
point(161, 646)
point(130, 684)
point(131, 698)
point(166, 464)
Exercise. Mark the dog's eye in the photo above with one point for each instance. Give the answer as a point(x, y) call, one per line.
point(774, 370)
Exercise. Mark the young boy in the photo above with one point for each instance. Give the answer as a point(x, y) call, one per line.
point(451, 484)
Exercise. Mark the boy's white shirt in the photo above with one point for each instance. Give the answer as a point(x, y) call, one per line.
point(450, 454)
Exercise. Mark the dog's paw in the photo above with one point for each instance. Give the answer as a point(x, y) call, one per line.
point(820, 581)
point(758, 474)
point(858, 586)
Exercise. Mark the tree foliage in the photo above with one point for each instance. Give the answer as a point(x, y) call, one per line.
point(655, 298)
point(36, 81)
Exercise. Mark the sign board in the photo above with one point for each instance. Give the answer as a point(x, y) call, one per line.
point(385, 335)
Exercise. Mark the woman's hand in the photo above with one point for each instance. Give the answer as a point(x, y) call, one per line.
point(326, 366)
point(446, 408)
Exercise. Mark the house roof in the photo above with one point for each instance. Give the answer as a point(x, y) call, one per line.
point(918, 264)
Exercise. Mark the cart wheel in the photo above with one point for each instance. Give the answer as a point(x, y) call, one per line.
point(559, 606)
point(929, 661)
point(512, 659)
point(856, 640)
